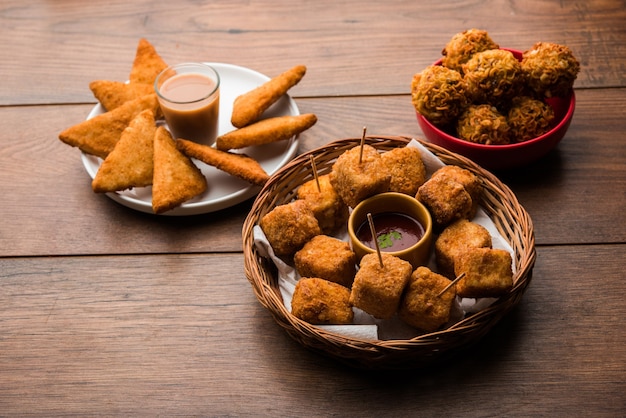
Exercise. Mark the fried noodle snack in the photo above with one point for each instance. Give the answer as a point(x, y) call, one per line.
point(266, 131)
point(463, 45)
point(249, 107)
point(238, 165)
point(176, 178)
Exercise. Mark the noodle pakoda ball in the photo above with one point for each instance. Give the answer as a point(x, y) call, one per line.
point(465, 44)
point(456, 239)
point(288, 227)
point(529, 118)
point(439, 94)
point(483, 124)
point(377, 290)
point(493, 76)
point(550, 69)
point(355, 181)
point(329, 209)
point(407, 169)
point(328, 258)
point(321, 302)
point(421, 307)
point(488, 273)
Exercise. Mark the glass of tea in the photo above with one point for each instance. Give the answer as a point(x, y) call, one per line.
point(189, 95)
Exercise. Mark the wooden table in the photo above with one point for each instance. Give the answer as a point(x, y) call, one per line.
point(108, 311)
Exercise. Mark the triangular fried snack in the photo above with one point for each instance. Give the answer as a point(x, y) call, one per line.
point(98, 135)
point(131, 162)
point(147, 64)
point(238, 165)
point(176, 178)
point(113, 94)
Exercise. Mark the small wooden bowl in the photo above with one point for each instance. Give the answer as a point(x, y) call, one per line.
point(498, 201)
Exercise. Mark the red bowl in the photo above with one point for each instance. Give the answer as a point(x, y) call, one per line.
point(501, 157)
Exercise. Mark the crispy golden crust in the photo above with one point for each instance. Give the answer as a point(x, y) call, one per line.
point(451, 193)
point(266, 131)
point(483, 124)
point(455, 240)
point(465, 44)
point(354, 180)
point(407, 169)
point(446, 199)
point(147, 64)
point(113, 94)
point(329, 209)
point(98, 135)
point(289, 226)
point(550, 69)
point(529, 118)
point(327, 258)
point(321, 302)
point(249, 107)
point(176, 179)
point(377, 290)
point(131, 162)
point(493, 76)
point(238, 165)
point(421, 307)
point(488, 273)
point(439, 94)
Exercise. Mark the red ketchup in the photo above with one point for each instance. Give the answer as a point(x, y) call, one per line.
point(395, 231)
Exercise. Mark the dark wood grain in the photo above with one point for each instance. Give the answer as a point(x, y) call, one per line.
point(184, 335)
point(105, 311)
point(54, 49)
point(42, 178)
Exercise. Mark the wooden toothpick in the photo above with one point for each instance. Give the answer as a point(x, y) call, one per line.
point(314, 168)
point(362, 144)
point(452, 283)
point(370, 220)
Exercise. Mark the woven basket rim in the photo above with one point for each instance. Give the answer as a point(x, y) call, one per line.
point(499, 202)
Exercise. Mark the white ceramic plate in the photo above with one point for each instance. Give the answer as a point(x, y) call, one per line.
point(224, 190)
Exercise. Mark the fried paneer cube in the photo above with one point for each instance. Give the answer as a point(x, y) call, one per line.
point(328, 258)
point(377, 289)
point(488, 273)
point(356, 180)
point(320, 302)
point(451, 193)
point(407, 169)
point(456, 239)
point(289, 226)
point(421, 306)
point(329, 209)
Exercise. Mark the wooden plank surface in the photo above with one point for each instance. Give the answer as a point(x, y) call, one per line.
point(183, 334)
point(42, 178)
point(108, 311)
point(54, 49)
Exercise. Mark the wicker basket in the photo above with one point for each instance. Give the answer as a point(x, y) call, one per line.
point(501, 206)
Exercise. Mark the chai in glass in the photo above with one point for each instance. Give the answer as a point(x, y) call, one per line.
point(189, 95)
